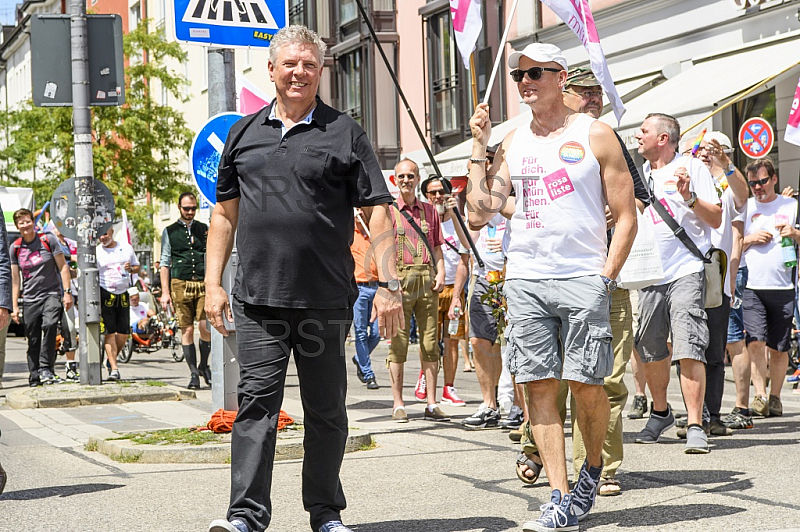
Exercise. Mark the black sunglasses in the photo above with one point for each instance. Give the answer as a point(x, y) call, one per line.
point(533, 73)
point(189, 208)
point(761, 182)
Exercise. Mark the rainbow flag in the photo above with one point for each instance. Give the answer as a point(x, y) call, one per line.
point(697, 142)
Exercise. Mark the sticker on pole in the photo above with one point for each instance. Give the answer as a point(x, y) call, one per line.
point(207, 150)
point(756, 138)
point(229, 22)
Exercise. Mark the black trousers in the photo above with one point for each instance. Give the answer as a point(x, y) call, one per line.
point(265, 336)
point(715, 355)
point(41, 316)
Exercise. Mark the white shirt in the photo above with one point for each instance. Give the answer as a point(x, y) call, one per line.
point(110, 263)
point(493, 261)
point(722, 238)
point(677, 260)
point(139, 312)
point(559, 223)
point(451, 256)
point(765, 269)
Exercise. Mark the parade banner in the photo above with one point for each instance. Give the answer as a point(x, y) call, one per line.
point(792, 133)
point(467, 25)
point(577, 15)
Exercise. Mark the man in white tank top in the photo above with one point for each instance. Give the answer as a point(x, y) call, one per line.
point(564, 168)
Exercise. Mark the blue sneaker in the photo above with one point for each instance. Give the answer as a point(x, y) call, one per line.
point(585, 491)
point(794, 377)
point(223, 525)
point(334, 526)
point(557, 516)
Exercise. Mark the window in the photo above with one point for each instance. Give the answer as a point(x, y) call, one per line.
point(450, 99)
point(297, 12)
point(347, 11)
point(444, 75)
point(350, 66)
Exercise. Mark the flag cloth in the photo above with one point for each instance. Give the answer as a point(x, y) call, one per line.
point(577, 15)
point(251, 98)
point(792, 133)
point(467, 25)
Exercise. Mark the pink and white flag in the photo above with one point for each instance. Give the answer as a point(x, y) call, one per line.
point(792, 133)
point(467, 24)
point(251, 98)
point(577, 15)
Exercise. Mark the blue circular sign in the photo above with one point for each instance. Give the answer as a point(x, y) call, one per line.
point(207, 150)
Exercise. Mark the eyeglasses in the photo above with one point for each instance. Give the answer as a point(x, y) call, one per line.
point(761, 182)
point(439, 192)
point(533, 73)
point(587, 95)
point(405, 176)
point(190, 209)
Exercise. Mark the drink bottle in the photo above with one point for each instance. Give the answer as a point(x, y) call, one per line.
point(452, 327)
point(789, 254)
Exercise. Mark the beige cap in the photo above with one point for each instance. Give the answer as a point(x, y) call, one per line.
point(541, 53)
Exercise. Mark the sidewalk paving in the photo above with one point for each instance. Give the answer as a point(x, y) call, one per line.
point(421, 476)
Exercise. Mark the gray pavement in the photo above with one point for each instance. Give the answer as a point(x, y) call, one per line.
point(420, 477)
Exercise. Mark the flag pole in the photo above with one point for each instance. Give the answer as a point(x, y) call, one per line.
point(435, 166)
point(473, 78)
point(500, 52)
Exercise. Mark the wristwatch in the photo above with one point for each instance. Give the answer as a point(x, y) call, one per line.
point(611, 284)
point(392, 285)
point(68, 291)
point(691, 201)
point(730, 169)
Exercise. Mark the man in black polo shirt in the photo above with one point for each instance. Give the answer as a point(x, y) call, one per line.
point(289, 178)
point(183, 249)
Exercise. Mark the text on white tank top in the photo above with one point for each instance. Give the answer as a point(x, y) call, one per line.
point(559, 225)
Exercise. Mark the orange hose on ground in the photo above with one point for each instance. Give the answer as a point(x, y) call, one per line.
point(222, 421)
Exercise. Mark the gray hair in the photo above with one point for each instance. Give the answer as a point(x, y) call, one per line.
point(296, 34)
point(669, 125)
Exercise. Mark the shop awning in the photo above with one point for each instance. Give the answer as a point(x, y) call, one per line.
point(712, 81)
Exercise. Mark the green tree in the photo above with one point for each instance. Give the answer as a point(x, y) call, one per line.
point(139, 148)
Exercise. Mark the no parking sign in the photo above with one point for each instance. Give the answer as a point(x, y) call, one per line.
point(756, 138)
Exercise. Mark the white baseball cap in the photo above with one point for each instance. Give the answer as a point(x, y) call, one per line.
point(539, 52)
point(133, 291)
point(720, 137)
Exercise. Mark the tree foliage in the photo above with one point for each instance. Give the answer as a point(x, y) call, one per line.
point(139, 148)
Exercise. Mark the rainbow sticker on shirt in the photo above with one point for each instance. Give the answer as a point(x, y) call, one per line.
point(670, 187)
point(572, 152)
point(755, 217)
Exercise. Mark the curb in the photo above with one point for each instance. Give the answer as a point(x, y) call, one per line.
point(88, 395)
point(289, 448)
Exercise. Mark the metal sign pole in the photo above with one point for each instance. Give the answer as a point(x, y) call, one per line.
point(224, 367)
point(89, 281)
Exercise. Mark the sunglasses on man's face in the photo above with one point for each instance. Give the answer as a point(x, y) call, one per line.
point(533, 73)
point(190, 209)
point(761, 182)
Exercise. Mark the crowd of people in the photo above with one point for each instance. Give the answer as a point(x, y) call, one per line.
point(43, 285)
point(521, 258)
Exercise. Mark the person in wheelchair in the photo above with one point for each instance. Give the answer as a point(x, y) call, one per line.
point(143, 318)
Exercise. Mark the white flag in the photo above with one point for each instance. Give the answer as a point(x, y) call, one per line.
point(577, 15)
point(792, 133)
point(467, 24)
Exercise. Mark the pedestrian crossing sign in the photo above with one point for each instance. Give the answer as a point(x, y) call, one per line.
point(229, 23)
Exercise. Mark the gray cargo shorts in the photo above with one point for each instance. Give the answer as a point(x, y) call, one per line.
point(559, 329)
point(676, 307)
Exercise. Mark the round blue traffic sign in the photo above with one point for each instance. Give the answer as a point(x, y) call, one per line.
point(207, 150)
